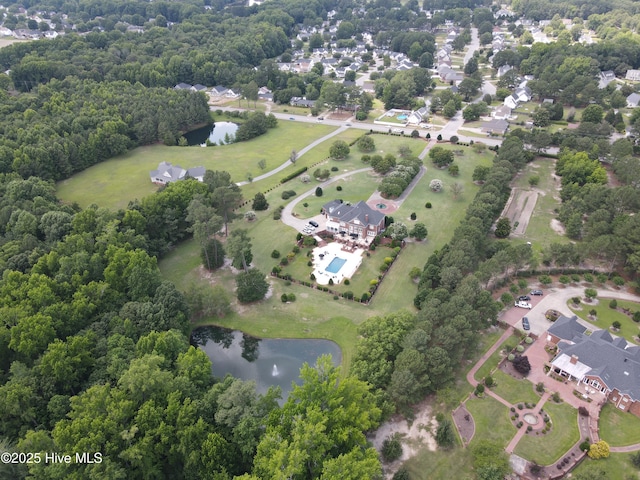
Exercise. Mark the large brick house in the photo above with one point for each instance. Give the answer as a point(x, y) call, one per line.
point(359, 219)
point(610, 365)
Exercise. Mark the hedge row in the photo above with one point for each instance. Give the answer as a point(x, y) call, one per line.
point(294, 174)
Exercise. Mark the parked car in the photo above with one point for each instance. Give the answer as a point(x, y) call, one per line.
point(320, 119)
point(523, 305)
point(524, 298)
point(525, 323)
point(313, 223)
point(348, 124)
point(536, 292)
point(291, 118)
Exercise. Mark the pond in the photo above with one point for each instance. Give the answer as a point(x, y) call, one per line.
point(269, 362)
point(215, 132)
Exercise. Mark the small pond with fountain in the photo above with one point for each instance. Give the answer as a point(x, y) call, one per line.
point(269, 361)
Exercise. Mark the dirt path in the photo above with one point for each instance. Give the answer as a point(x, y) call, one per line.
point(519, 208)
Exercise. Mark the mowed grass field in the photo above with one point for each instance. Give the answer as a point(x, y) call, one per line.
point(124, 178)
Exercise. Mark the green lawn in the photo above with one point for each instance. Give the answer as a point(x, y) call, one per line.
point(514, 390)
point(441, 465)
point(545, 449)
point(117, 181)
point(491, 419)
point(617, 466)
point(618, 428)
point(354, 188)
point(492, 361)
point(606, 316)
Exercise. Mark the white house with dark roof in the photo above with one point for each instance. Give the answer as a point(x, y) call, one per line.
point(599, 361)
point(359, 219)
point(167, 173)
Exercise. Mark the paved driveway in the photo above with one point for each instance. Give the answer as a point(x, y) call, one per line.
point(556, 298)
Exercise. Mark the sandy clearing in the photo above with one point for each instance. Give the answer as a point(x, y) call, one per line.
point(414, 437)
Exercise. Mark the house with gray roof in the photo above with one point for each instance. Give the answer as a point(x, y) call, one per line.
point(599, 361)
point(167, 173)
point(359, 219)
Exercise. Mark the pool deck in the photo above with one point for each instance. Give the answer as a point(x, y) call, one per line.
point(329, 253)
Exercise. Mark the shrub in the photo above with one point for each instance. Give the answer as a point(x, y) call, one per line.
point(334, 169)
point(521, 364)
point(284, 298)
point(454, 170)
point(635, 459)
point(413, 216)
point(584, 446)
point(318, 191)
point(616, 325)
point(347, 281)
point(506, 298)
point(540, 387)
point(602, 278)
point(583, 411)
point(488, 381)
point(287, 194)
point(556, 397)
point(618, 281)
point(593, 312)
point(275, 254)
point(348, 294)
point(331, 281)
point(479, 389)
point(598, 450)
point(590, 293)
point(391, 448)
point(436, 185)
point(284, 261)
point(511, 357)
point(613, 304)
point(373, 282)
point(365, 297)
point(427, 205)
point(401, 474)
point(309, 263)
point(588, 277)
point(528, 340)
point(291, 297)
point(519, 349)
point(564, 279)
point(545, 279)
point(575, 300)
point(514, 289)
point(339, 188)
point(636, 316)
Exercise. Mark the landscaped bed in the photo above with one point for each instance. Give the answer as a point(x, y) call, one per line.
point(492, 361)
point(545, 449)
point(618, 428)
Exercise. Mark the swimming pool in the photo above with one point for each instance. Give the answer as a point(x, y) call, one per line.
point(335, 265)
point(402, 117)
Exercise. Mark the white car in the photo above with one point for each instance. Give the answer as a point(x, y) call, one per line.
point(523, 305)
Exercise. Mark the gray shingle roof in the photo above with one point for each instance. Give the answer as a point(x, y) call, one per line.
point(567, 328)
point(361, 212)
point(618, 367)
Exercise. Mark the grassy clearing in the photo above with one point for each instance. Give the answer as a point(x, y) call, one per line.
point(514, 390)
point(617, 466)
point(441, 465)
point(539, 231)
point(618, 428)
point(492, 361)
point(606, 316)
point(115, 182)
point(545, 449)
point(491, 419)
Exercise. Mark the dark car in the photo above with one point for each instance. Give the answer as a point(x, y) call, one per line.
point(525, 323)
point(313, 223)
point(536, 292)
point(291, 118)
point(524, 298)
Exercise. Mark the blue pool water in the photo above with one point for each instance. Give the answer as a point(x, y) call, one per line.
point(335, 265)
point(402, 117)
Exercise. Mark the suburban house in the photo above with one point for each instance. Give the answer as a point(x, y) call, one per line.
point(511, 102)
point(495, 127)
point(501, 113)
point(302, 102)
point(633, 100)
point(633, 75)
point(359, 219)
point(609, 365)
point(419, 116)
point(167, 173)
